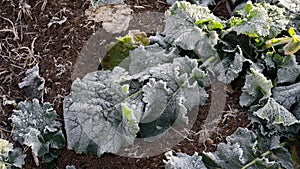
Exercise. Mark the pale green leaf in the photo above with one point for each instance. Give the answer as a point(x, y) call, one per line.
point(291, 48)
point(4, 147)
point(257, 87)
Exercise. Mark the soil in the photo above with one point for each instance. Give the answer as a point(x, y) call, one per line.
point(27, 40)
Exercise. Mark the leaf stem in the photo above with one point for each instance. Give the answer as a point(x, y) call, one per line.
point(208, 61)
point(127, 98)
point(133, 94)
point(263, 155)
point(254, 161)
point(5, 163)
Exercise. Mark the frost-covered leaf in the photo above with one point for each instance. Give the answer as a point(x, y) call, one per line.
point(40, 116)
point(275, 114)
point(10, 157)
point(268, 130)
point(176, 92)
point(228, 69)
point(16, 157)
point(33, 84)
point(268, 59)
point(181, 161)
point(272, 118)
point(289, 70)
point(189, 11)
point(106, 109)
point(244, 149)
point(291, 5)
point(181, 30)
point(31, 139)
point(239, 150)
point(278, 153)
point(296, 110)
point(257, 87)
point(261, 19)
point(100, 115)
point(159, 39)
point(150, 56)
point(205, 46)
point(156, 96)
point(287, 95)
point(184, 36)
point(32, 122)
point(183, 71)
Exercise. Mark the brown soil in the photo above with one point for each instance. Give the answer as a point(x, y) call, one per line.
point(56, 49)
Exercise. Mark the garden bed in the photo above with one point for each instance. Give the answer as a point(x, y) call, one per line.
point(28, 40)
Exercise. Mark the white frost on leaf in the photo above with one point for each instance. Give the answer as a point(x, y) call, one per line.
point(257, 87)
point(287, 96)
point(35, 125)
point(182, 160)
point(143, 58)
point(261, 19)
point(291, 5)
point(228, 69)
point(289, 70)
point(244, 147)
point(99, 114)
point(33, 83)
point(31, 139)
point(181, 30)
point(275, 113)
